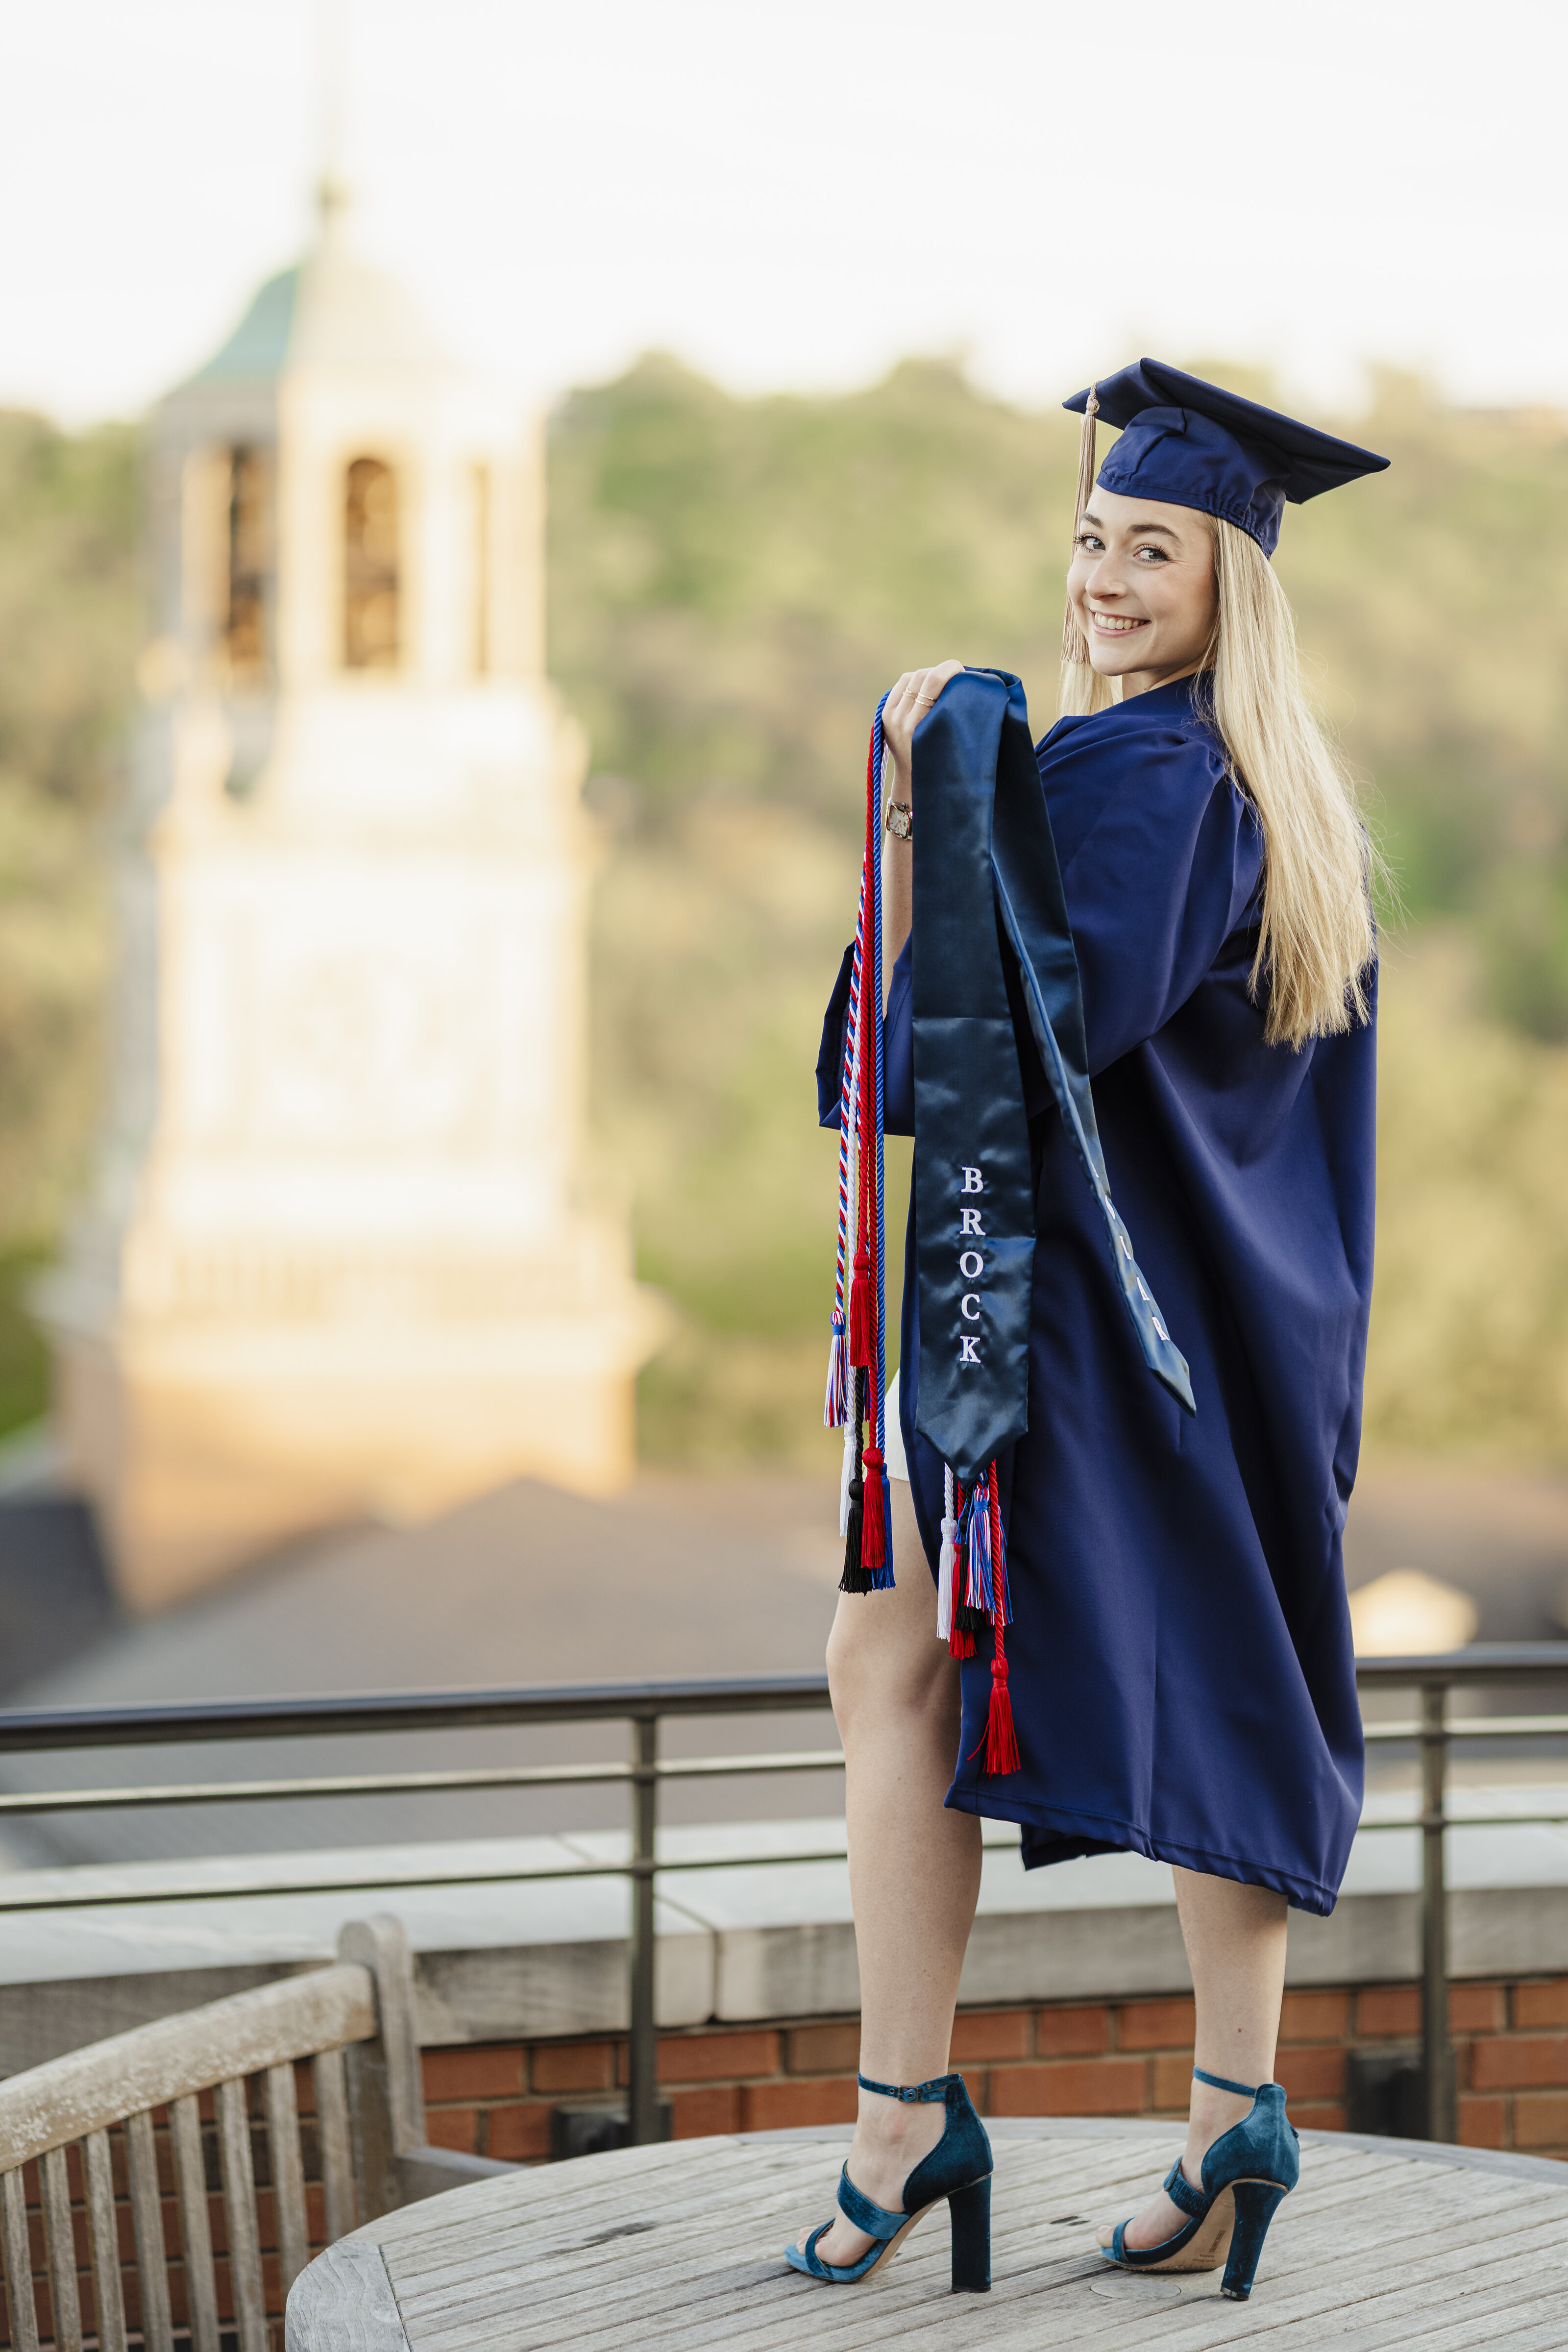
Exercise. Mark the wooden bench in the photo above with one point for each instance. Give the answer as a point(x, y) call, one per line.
point(352, 2021)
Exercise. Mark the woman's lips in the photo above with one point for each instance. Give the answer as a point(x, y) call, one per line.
point(1116, 624)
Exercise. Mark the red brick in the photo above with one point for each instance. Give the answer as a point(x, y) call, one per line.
point(990, 2033)
point(1477, 2009)
point(779, 2106)
point(1157, 2026)
point(1388, 2008)
point(1073, 2033)
point(1105, 2086)
point(1481, 2122)
point(822, 2049)
point(572, 2066)
point(486, 2074)
point(1173, 2086)
point(1540, 2121)
point(1311, 2074)
point(715, 2109)
point(453, 2127)
point(1315, 2016)
point(1518, 2065)
point(519, 2135)
point(713, 2057)
point(1542, 2004)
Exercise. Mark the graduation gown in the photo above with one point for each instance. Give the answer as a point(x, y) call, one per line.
point(1180, 1658)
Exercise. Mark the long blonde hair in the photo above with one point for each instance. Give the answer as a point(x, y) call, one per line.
point(1316, 944)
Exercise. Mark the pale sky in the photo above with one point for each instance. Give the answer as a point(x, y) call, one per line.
point(796, 195)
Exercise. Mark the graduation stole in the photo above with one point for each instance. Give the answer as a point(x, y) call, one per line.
point(987, 884)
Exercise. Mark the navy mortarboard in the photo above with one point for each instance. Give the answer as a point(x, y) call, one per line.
point(1190, 444)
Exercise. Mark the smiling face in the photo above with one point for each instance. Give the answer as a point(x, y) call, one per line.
point(1143, 589)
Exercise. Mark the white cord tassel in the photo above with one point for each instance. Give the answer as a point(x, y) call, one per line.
point(947, 1566)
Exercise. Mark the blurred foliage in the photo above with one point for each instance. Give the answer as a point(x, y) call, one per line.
point(69, 629)
point(732, 584)
point(1469, 1325)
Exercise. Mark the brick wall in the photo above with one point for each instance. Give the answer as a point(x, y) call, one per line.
point(1115, 2058)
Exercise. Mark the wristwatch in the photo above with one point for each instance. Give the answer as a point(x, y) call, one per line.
point(900, 820)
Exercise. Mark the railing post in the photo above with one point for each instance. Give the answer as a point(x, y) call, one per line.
point(1436, 2056)
point(642, 2098)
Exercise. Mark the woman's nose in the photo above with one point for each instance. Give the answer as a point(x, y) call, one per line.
point(1104, 579)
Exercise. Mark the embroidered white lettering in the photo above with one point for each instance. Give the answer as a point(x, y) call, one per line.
point(966, 1352)
point(972, 1180)
point(969, 1306)
point(970, 1265)
point(970, 1222)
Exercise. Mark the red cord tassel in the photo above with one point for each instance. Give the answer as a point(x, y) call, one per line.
point(1001, 1740)
point(960, 1644)
point(861, 1312)
point(873, 1533)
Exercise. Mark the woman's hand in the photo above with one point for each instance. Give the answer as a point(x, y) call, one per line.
point(905, 707)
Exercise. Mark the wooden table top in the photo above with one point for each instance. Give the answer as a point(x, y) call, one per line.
point(1386, 2243)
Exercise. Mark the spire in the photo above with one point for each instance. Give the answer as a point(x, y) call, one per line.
point(333, 33)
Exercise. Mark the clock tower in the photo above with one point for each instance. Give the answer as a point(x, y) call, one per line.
point(339, 1256)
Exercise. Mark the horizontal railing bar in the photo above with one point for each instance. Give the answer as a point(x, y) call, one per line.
point(1489, 1727)
point(259, 1890)
point(1469, 1821)
point(399, 1784)
point(1483, 1661)
point(364, 1712)
point(159, 1891)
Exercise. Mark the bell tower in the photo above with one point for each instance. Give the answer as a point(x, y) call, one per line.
point(338, 1256)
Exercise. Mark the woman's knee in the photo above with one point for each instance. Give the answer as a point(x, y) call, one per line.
point(874, 1669)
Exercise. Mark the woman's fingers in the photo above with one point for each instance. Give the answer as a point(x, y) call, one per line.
point(908, 702)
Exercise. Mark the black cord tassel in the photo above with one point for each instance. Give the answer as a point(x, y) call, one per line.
point(856, 1577)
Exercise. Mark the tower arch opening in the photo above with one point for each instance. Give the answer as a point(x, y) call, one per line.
point(372, 566)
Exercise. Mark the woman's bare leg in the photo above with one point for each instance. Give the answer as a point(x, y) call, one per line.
point(1235, 1937)
point(914, 1868)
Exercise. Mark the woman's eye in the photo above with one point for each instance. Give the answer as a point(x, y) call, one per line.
point(1090, 545)
point(1155, 554)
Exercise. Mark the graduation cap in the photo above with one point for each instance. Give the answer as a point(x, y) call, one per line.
point(1191, 444)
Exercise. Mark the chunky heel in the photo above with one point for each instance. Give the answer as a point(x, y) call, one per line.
point(1256, 2202)
point(1247, 2173)
point(970, 2210)
point(958, 2167)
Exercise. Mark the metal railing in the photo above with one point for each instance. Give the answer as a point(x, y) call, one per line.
point(643, 1706)
point(1494, 1665)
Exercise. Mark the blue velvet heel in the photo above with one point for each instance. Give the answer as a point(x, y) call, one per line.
point(958, 2167)
point(1247, 2174)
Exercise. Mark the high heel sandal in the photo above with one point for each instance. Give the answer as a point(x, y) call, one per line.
point(958, 2167)
point(1247, 2173)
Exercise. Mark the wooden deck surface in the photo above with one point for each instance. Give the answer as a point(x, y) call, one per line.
point(679, 2247)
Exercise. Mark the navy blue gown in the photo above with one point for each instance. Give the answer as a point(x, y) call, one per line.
point(1180, 1661)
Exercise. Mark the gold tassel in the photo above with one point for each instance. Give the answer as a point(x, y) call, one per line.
point(1073, 646)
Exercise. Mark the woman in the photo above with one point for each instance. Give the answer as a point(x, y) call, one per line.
point(1181, 1663)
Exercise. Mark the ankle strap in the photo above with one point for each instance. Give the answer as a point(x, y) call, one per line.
point(928, 2092)
point(1218, 2083)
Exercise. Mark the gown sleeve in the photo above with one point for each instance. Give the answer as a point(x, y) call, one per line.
point(898, 1047)
point(1167, 862)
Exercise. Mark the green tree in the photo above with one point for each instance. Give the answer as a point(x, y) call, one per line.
point(70, 624)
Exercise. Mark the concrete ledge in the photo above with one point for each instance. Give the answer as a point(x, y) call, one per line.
point(501, 1959)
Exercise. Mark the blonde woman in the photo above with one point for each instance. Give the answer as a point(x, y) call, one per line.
point(1179, 1657)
